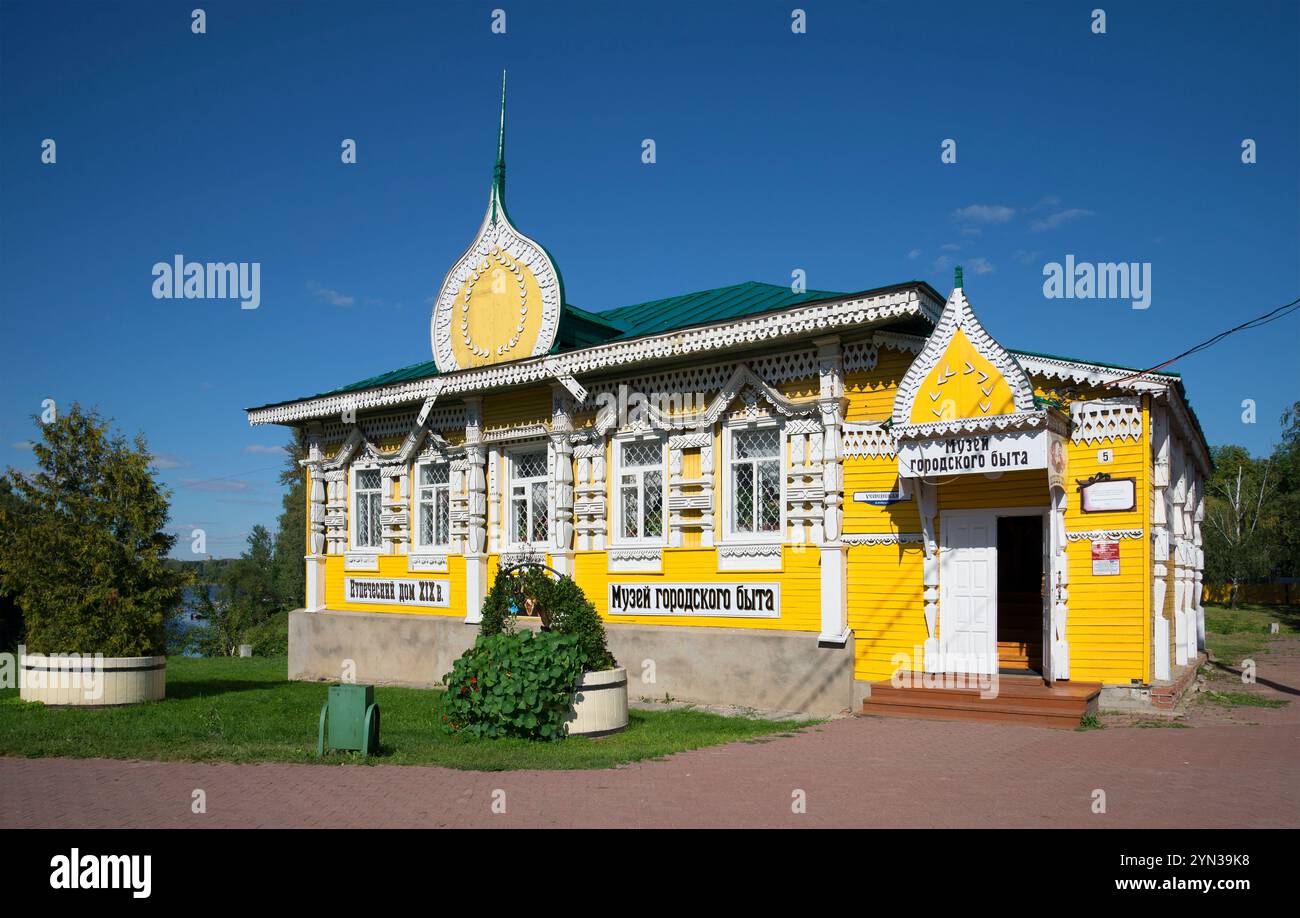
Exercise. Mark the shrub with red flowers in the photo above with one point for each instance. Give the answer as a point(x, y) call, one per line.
point(516, 684)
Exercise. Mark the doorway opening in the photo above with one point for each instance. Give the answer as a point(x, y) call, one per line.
point(1021, 582)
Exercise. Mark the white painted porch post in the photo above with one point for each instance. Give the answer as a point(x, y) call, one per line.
point(927, 505)
point(1060, 588)
point(834, 566)
point(476, 523)
point(1198, 582)
point(562, 479)
point(315, 598)
point(1160, 540)
point(1178, 518)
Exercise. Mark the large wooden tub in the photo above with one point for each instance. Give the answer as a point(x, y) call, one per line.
point(600, 705)
point(92, 681)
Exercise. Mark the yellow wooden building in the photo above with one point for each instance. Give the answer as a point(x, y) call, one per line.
point(774, 498)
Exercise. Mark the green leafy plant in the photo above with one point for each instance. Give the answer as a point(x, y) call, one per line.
point(558, 601)
point(513, 684)
point(82, 545)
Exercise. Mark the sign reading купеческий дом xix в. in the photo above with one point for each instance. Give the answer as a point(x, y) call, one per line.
point(397, 592)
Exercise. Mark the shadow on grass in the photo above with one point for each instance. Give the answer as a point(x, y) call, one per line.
point(203, 688)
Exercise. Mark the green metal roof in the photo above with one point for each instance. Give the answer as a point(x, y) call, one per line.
point(716, 305)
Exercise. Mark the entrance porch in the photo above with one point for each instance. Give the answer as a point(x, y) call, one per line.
point(1020, 699)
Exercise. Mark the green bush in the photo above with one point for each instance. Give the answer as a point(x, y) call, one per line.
point(271, 637)
point(514, 684)
point(559, 602)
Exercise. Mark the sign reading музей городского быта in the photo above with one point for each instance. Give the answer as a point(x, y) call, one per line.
point(998, 452)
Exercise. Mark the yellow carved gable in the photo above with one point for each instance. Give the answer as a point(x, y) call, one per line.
point(962, 385)
point(497, 313)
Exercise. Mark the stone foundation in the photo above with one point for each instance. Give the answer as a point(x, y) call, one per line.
point(765, 670)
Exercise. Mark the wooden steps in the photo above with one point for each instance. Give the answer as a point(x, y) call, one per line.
point(1019, 700)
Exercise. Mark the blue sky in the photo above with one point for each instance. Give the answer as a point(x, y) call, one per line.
point(775, 151)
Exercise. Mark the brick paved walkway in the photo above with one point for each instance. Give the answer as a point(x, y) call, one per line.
point(1237, 769)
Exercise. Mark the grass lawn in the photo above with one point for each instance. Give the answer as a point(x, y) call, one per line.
point(1235, 634)
point(245, 710)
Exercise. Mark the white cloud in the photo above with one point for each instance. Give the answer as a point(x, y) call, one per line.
point(333, 297)
point(264, 450)
point(168, 461)
point(22, 444)
point(915, 253)
point(1060, 218)
point(221, 485)
point(984, 213)
point(979, 265)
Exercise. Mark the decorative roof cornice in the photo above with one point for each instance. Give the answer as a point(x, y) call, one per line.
point(850, 312)
point(1041, 419)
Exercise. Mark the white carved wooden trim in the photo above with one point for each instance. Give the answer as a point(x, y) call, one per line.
point(1106, 420)
point(744, 557)
point(427, 562)
point(635, 558)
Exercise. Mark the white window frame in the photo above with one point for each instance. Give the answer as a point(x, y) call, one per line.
point(418, 518)
point(510, 456)
point(729, 533)
point(616, 493)
point(354, 515)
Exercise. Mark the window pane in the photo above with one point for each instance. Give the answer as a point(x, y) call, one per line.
point(654, 501)
point(432, 473)
point(444, 516)
point(426, 523)
point(769, 489)
point(743, 494)
point(528, 465)
point(640, 453)
point(755, 444)
point(368, 480)
point(520, 509)
point(630, 508)
point(540, 522)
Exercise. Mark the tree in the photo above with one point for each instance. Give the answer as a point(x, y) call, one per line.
point(82, 547)
point(245, 598)
point(1286, 505)
point(290, 573)
point(1236, 502)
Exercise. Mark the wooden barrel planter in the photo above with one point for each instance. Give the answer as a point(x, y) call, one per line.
point(91, 681)
point(600, 704)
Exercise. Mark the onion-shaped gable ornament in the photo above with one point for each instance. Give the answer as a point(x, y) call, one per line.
point(501, 301)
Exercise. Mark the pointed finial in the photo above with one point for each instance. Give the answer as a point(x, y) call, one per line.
point(499, 172)
point(956, 277)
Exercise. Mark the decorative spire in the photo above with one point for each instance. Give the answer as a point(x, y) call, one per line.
point(956, 274)
point(499, 171)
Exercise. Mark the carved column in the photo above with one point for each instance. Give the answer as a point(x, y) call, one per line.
point(476, 511)
point(927, 506)
point(1198, 564)
point(831, 406)
point(1160, 538)
point(1177, 518)
point(494, 499)
point(315, 598)
point(562, 479)
point(1060, 570)
point(706, 479)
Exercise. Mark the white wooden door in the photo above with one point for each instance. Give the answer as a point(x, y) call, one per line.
point(968, 592)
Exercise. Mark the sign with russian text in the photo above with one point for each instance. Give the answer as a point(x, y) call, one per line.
point(879, 498)
point(748, 600)
point(999, 452)
point(1108, 495)
point(1105, 559)
point(394, 592)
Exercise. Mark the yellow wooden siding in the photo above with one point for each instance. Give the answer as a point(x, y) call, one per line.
point(1110, 616)
point(800, 581)
point(871, 392)
point(876, 474)
point(394, 566)
point(886, 606)
point(518, 407)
